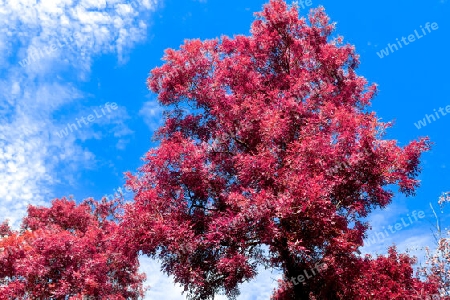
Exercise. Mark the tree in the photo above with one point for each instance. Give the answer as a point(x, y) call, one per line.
point(438, 261)
point(389, 277)
point(268, 157)
point(68, 251)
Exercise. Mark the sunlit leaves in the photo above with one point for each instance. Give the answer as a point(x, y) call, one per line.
point(68, 250)
point(274, 163)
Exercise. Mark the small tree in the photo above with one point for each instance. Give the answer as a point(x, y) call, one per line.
point(438, 261)
point(68, 251)
point(274, 163)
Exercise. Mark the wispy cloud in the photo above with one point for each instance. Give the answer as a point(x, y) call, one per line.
point(411, 239)
point(34, 97)
point(163, 287)
point(37, 98)
point(152, 113)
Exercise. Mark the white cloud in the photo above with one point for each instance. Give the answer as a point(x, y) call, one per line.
point(63, 35)
point(95, 27)
point(163, 287)
point(152, 112)
point(411, 239)
point(261, 287)
point(31, 155)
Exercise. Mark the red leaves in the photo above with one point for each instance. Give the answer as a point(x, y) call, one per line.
point(389, 277)
point(278, 153)
point(5, 230)
point(68, 250)
point(65, 214)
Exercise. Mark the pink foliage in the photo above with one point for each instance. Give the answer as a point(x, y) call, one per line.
point(68, 251)
point(248, 176)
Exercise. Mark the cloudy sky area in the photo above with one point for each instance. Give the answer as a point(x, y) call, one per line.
point(64, 60)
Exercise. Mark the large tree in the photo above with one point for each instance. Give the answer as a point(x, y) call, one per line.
point(269, 156)
point(68, 251)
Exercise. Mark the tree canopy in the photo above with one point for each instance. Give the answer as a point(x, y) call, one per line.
point(68, 251)
point(249, 171)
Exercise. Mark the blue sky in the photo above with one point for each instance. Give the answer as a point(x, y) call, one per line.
point(87, 57)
